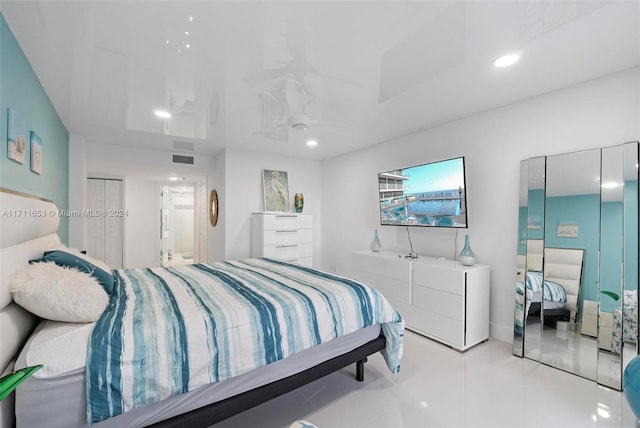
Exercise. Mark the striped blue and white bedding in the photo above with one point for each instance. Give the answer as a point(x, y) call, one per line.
point(551, 291)
point(167, 331)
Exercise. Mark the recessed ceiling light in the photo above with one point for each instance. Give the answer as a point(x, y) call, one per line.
point(312, 143)
point(163, 114)
point(506, 60)
point(191, 19)
point(174, 178)
point(186, 33)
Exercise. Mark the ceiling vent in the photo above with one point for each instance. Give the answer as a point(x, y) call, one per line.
point(183, 159)
point(183, 145)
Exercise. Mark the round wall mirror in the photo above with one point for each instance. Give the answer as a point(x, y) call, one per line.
point(213, 207)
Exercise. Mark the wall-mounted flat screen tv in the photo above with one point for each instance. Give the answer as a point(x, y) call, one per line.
point(429, 195)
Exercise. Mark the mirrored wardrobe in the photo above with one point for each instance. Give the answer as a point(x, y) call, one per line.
point(576, 305)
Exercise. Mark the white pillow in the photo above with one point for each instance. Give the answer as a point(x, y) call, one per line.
point(58, 293)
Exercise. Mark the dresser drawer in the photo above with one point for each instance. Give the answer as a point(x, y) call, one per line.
point(393, 268)
point(444, 304)
point(286, 236)
point(286, 221)
point(443, 279)
point(390, 288)
point(287, 251)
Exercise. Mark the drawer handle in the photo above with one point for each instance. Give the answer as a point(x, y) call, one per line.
point(291, 260)
point(286, 246)
point(286, 216)
point(287, 231)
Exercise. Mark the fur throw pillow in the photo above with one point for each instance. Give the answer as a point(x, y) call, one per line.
point(58, 293)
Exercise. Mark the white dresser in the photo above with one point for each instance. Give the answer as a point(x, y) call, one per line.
point(440, 299)
point(283, 236)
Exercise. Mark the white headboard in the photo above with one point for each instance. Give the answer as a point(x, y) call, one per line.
point(534, 254)
point(561, 265)
point(564, 266)
point(28, 227)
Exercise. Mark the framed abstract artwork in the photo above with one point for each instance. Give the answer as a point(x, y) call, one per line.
point(275, 188)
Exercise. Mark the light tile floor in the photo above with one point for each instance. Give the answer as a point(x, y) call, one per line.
point(439, 387)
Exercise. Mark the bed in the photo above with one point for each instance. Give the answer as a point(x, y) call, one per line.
point(553, 288)
point(56, 394)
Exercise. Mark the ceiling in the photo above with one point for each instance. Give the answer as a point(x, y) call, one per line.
point(365, 71)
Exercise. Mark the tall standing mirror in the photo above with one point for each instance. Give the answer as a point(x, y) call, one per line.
point(577, 262)
point(528, 312)
point(631, 256)
point(521, 262)
point(611, 266)
point(570, 271)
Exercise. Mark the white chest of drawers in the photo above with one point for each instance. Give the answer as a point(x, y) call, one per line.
point(442, 300)
point(282, 236)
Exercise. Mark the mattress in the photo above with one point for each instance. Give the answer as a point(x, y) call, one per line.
point(55, 396)
point(537, 298)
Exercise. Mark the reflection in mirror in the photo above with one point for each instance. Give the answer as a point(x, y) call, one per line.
point(572, 213)
point(571, 244)
point(627, 333)
point(535, 232)
point(521, 263)
point(611, 263)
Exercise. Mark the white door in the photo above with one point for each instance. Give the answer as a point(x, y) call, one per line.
point(114, 223)
point(201, 214)
point(164, 225)
point(105, 221)
point(95, 223)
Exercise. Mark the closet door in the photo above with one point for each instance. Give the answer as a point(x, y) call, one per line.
point(113, 226)
point(105, 222)
point(95, 224)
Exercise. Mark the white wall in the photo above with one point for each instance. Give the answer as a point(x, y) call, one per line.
point(77, 191)
point(141, 230)
point(598, 113)
point(217, 238)
point(243, 196)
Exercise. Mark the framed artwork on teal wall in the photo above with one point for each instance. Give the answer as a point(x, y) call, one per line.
point(16, 145)
point(567, 230)
point(36, 153)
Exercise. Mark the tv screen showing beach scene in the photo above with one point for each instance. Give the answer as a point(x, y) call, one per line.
point(429, 195)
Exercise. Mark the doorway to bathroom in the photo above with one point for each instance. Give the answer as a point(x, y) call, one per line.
point(178, 216)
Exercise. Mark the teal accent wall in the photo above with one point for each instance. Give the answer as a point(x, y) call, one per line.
point(611, 254)
point(522, 230)
point(21, 90)
point(536, 210)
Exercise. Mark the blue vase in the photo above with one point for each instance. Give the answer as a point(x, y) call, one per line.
point(376, 245)
point(466, 257)
point(631, 385)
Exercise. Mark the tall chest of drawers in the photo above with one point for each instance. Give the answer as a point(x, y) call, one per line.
point(282, 236)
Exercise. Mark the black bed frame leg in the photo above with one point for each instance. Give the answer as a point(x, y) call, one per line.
point(360, 370)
